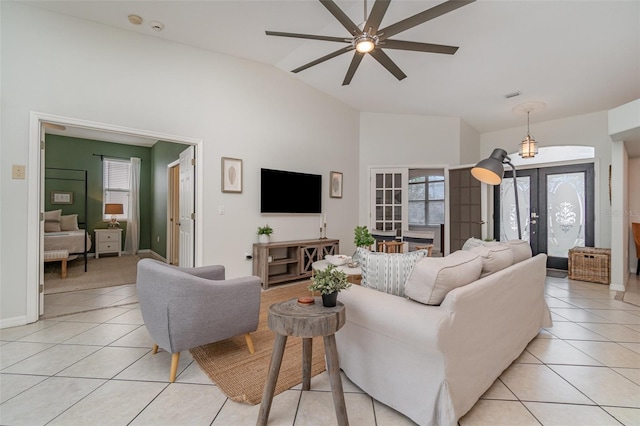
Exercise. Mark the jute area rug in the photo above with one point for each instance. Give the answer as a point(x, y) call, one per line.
point(241, 375)
point(103, 272)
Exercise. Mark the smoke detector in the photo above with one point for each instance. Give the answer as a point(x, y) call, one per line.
point(156, 26)
point(135, 19)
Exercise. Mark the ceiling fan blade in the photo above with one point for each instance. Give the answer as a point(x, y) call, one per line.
point(355, 62)
point(308, 36)
point(418, 47)
point(375, 17)
point(341, 17)
point(422, 17)
point(386, 62)
point(324, 58)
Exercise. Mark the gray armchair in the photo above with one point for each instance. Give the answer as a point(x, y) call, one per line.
point(183, 308)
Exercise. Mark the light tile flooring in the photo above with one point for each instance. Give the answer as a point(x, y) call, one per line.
point(96, 368)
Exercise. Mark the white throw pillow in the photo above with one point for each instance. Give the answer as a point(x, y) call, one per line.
point(520, 248)
point(52, 221)
point(471, 243)
point(495, 257)
point(388, 272)
point(433, 277)
point(69, 222)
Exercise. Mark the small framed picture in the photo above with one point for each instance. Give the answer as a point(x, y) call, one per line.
point(61, 197)
point(335, 185)
point(231, 175)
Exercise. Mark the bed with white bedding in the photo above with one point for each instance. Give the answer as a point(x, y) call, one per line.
point(72, 241)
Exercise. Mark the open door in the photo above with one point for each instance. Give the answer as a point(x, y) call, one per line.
point(187, 207)
point(173, 213)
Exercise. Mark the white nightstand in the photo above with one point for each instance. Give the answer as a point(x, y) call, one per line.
point(108, 241)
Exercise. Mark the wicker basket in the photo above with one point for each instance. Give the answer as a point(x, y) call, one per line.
point(590, 264)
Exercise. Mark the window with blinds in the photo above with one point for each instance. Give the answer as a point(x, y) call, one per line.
point(426, 200)
point(115, 178)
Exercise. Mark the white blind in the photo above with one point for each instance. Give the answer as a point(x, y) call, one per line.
point(115, 179)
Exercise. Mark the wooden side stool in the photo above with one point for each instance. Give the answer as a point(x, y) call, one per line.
point(58, 256)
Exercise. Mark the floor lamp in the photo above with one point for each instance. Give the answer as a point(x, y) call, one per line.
point(491, 171)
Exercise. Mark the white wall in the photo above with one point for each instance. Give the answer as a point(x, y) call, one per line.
point(588, 130)
point(406, 141)
point(64, 66)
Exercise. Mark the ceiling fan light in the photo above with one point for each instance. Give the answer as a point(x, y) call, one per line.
point(528, 147)
point(365, 43)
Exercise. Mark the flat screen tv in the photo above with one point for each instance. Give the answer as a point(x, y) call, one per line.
point(290, 192)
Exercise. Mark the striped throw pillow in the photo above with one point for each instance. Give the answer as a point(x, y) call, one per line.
point(388, 272)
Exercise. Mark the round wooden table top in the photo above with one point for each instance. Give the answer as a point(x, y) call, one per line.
point(291, 318)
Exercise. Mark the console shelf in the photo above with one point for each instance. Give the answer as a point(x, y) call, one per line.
point(286, 261)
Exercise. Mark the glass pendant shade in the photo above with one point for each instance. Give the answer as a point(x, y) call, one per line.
point(528, 147)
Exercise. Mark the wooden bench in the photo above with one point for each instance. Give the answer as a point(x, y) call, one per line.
point(58, 256)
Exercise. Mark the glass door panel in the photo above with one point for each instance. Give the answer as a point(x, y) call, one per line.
point(509, 222)
point(565, 213)
point(388, 201)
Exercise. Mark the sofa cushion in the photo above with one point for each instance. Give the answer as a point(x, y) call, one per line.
point(494, 256)
point(520, 248)
point(52, 221)
point(433, 277)
point(388, 272)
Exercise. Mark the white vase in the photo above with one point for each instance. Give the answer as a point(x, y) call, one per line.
point(263, 238)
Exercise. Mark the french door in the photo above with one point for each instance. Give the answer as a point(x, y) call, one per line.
point(389, 204)
point(556, 210)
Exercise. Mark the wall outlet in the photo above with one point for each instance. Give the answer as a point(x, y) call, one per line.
point(247, 255)
point(158, 238)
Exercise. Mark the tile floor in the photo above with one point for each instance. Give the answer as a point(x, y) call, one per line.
point(96, 368)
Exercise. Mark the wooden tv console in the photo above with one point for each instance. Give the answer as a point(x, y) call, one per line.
point(286, 261)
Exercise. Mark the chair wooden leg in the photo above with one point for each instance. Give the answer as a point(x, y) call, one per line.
point(249, 340)
point(175, 358)
point(154, 350)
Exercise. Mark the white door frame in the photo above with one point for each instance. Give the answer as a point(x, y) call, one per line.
point(35, 185)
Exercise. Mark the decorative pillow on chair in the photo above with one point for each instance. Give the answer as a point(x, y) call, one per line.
point(388, 272)
point(69, 222)
point(52, 221)
point(495, 257)
point(434, 277)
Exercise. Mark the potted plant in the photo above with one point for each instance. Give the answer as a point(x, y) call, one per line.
point(264, 233)
point(362, 238)
point(329, 282)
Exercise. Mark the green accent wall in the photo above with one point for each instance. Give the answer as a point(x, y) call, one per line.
point(162, 154)
point(75, 153)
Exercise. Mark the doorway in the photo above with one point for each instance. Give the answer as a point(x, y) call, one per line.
point(556, 210)
point(35, 264)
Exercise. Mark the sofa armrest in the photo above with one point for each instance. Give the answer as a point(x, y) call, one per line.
point(400, 319)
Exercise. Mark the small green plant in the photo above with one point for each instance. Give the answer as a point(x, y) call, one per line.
point(265, 230)
point(362, 237)
point(329, 280)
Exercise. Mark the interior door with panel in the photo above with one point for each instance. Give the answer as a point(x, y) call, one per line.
point(389, 205)
point(465, 207)
point(187, 207)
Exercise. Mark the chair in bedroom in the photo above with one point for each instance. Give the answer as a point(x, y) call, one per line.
point(183, 308)
point(636, 238)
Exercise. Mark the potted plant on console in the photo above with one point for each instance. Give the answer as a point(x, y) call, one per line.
point(329, 282)
point(264, 233)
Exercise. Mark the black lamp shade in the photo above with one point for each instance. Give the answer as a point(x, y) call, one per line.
point(491, 170)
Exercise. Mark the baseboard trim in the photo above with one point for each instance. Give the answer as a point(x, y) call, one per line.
point(157, 256)
point(13, 322)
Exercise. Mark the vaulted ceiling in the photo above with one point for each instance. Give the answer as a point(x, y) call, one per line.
point(575, 56)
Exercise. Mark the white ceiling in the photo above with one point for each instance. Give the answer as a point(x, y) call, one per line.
point(575, 56)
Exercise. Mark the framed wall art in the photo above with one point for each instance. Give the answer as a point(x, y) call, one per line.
point(231, 175)
point(61, 197)
point(335, 185)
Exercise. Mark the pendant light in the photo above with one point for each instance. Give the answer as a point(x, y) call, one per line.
point(528, 146)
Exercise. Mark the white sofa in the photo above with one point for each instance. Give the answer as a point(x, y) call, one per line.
point(432, 363)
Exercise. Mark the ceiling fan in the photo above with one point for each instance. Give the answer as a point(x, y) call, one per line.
point(370, 39)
